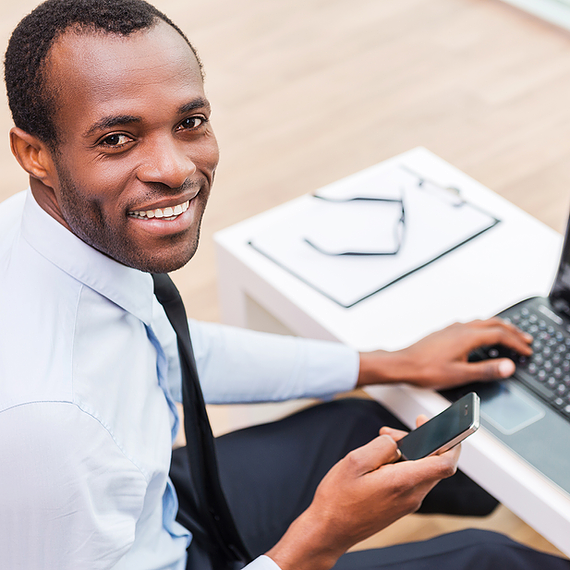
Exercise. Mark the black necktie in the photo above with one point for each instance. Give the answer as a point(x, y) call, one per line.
point(214, 527)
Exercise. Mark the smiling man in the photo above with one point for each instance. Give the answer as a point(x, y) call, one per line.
point(112, 125)
point(117, 155)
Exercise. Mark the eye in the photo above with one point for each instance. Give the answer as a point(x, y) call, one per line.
point(116, 140)
point(192, 123)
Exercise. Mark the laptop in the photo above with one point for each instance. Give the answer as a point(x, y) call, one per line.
point(530, 412)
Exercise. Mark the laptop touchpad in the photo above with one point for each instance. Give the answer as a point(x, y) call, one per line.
point(507, 407)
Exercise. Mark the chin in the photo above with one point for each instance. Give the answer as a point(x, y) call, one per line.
point(164, 267)
point(165, 262)
point(158, 257)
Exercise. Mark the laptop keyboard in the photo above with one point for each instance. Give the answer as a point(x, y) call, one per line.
point(547, 371)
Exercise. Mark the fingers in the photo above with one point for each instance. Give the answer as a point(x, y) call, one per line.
point(440, 359)
point(398, 434)
point(513, 328)
point(439, 466)
point(496, 331)
point(421, 472)
point(395, 434)
point(380, 451)
point(490, 332)
point(498, 321)
point(421, 420)
point(445, 464)
point(501, 333)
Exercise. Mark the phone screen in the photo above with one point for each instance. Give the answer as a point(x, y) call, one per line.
point(444, 430)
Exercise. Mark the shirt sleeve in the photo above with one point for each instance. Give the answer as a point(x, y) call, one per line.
point(239, 365)
point(68, 496)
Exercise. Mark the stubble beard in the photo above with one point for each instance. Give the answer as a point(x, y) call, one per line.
point(87, 222)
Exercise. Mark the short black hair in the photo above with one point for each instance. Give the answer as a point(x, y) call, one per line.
point(31, 102)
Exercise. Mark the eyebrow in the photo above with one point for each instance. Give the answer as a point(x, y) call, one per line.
point(111, 121)
point(197, 103)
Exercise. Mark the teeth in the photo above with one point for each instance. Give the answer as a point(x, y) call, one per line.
point(170, 213)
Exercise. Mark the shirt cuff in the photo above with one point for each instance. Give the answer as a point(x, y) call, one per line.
point(262, 563)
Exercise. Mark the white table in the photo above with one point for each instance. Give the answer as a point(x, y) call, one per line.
point(516, 259)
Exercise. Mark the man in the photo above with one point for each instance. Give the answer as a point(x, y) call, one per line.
point(112, 126)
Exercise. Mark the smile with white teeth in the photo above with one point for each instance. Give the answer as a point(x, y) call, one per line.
point(170, 213)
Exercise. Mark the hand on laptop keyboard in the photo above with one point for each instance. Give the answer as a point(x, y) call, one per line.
point(440, 360)
point(547, 371)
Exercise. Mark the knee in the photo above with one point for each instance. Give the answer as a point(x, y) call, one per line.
point(494, 554)
point(486, 550)
point(364, 412)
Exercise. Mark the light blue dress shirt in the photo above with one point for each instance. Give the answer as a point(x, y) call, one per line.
point(89, 373)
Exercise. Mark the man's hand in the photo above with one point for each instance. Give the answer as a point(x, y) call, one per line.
point(362, 494)
point(440, 359)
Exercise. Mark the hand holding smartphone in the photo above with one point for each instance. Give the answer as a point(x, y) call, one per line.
point(443, 431)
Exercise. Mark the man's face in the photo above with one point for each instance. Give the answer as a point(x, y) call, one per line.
point(137, 155)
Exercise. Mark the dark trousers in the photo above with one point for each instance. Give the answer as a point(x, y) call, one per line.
point(270, 472)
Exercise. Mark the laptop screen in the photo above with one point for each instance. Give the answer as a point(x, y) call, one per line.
point(560, 293)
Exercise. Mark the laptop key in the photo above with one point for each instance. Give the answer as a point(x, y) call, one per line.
point(552, 383)
point(546, 351)
point(536, 386)
point(547, 371)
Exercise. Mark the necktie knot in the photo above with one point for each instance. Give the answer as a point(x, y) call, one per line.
point(165, 290)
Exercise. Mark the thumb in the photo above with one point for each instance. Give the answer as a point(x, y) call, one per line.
point(370, 457)
point(489, 369)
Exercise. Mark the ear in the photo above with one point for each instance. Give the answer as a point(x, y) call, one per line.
point(33, 155)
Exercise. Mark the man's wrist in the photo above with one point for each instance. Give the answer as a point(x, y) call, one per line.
point(383, 367)
point(303, 547)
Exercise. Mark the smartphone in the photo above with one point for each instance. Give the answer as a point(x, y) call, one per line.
point(443, 431)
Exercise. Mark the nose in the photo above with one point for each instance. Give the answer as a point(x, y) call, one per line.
point(166, 162)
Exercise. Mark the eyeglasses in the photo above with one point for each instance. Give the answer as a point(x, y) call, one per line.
point(451, 192)
point(399, 227)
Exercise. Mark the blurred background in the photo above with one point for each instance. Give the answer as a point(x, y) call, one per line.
point(305, 92)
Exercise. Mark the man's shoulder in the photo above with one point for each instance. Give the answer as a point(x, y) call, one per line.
point(23, 271)
point(38, 305)
point(11, 211)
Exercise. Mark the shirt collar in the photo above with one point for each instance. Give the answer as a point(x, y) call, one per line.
point(129, 288)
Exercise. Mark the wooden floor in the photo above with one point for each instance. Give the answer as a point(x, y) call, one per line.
point(308, 91)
